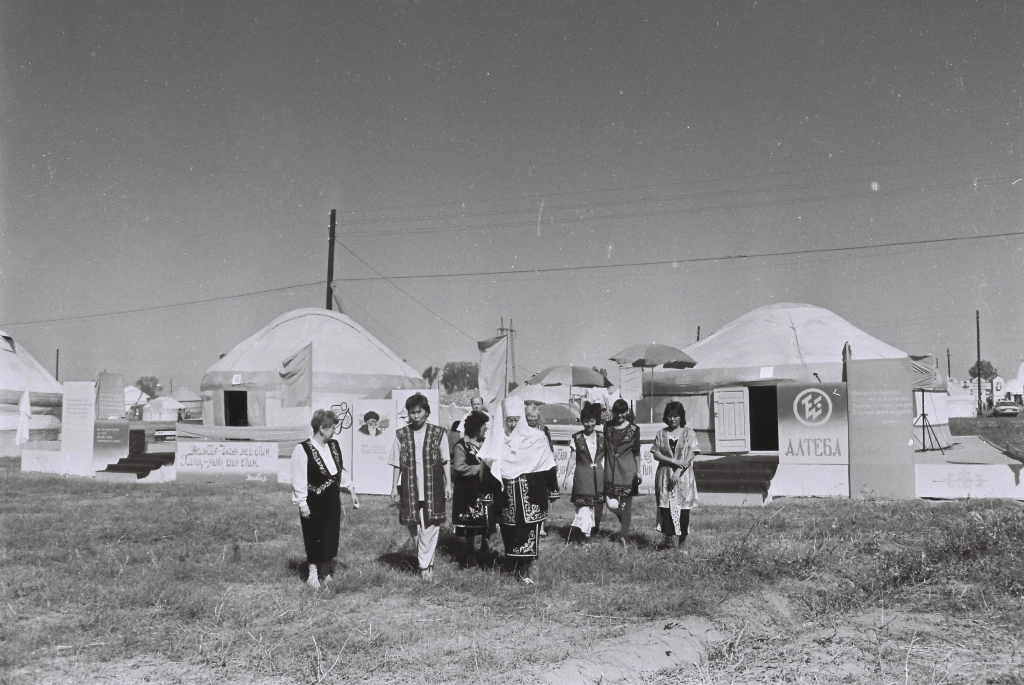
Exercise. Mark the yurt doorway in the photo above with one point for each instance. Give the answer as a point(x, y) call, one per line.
point(235, 413)
point(764, 418)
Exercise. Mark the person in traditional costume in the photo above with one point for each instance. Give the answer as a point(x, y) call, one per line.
point(318, 478)
point(520, 459)
point(422, 479)
point(675, 488)
point(534, 420)
point(586, 468)
point(621, 465)
point(472, 510)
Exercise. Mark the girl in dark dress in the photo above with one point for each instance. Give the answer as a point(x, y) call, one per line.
point(472, 503)
point(621, 465)
point(586, 468)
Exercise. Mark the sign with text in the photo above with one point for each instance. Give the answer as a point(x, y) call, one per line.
point(813, 427)
point(109, 396)
point(881, 428)
point(372, 439)
point(110, 443)
point(78, 421)
point(220, 462)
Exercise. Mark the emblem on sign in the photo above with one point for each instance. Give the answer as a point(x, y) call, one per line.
point(812, 407)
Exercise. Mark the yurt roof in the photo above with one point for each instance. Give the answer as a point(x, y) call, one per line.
point(186, 395)
point(787, 334)
point(340, 346)
point(20, 370)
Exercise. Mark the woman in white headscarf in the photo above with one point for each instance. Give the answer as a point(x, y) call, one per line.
point(520, 458)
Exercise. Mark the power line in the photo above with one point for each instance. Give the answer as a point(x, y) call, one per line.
point(396, 286)
point(739, 177)
point(657, 199)
point(509, 272)
point(691, 260)
point(159, 307)
point(687, 210)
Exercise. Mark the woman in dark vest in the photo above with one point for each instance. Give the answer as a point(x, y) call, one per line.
point(472, 502)
point(318, 477)
point(586, 467)
point(422, 479)
point(621, 465)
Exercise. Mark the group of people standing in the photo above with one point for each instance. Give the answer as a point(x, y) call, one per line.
point(501, 474)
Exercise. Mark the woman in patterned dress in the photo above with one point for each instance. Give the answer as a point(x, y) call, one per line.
point(472, 512)
point(521, 460)
point(674, 485)
point(621, 465)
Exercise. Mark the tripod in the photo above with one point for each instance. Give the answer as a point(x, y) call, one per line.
point(927, 430)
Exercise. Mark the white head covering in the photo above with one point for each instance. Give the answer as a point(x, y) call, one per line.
point(525, 451)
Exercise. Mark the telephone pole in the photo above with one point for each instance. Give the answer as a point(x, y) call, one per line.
point(977, 325)
point(330, 259)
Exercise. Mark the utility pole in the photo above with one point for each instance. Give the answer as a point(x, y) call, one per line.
point(698, 333)
point(977, 324)
point(57, 368)
point(510, 353)
point(949, 369)
point(330, 259)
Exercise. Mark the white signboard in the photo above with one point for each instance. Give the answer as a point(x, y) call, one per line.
point(215, 462)
point(77, 429)
point(372, 438)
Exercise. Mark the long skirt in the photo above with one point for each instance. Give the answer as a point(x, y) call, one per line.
point(320, 532)
point(522, 541)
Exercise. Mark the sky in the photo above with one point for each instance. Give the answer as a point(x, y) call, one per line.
point(599, 173)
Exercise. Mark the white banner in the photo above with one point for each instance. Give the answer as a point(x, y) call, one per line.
point(214, 462)
point(374, 434)
point(493, 376)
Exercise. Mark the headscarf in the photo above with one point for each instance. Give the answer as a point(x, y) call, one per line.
point(525, 451)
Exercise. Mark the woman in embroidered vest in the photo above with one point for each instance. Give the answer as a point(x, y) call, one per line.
point(586, 468)
point(521, 460)
point(422, 479)
point(318, 477)
point(621, 465)
point(472, 511)
point(674, 485)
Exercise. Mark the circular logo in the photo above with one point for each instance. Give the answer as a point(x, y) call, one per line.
point(812, 407)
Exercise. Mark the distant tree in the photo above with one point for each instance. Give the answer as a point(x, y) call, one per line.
point(430, 374)
point(458, 376)
point(987, 372)
point(603, 372)
point(149, 385)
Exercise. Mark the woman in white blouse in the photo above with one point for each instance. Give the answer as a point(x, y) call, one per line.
point(318, 478)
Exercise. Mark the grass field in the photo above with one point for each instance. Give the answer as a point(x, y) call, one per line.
point(183, 584)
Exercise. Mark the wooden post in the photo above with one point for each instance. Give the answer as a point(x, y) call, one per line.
point(977, 324)
point(330, 259)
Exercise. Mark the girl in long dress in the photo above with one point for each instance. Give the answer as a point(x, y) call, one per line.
point(586, 468)
point(621, 465)
point(674, 485)
point(522, 461)
point(472, 502)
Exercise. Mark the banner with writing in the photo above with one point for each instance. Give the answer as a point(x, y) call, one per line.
point(813, 425)
point(221, 462)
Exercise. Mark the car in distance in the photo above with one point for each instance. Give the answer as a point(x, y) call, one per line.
point(1006, 408)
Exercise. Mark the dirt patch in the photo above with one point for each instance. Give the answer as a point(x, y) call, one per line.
point(639, 650)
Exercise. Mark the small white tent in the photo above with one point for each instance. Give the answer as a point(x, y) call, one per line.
point(19, 371)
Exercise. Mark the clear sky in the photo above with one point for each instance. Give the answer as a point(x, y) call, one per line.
point(162, 153)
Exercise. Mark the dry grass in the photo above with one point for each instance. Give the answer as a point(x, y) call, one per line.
point(184, 583)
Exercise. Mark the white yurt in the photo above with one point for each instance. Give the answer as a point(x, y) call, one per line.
point(19, 371)
point(245, 387)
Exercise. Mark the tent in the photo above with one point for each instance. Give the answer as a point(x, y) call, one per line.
point(19, 371)
point(134, 397)
point(245, 387)
point(190, 400)
point(780, 343)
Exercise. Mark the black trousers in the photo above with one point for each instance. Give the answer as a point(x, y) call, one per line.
point(320, 532)
point(669, 528)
